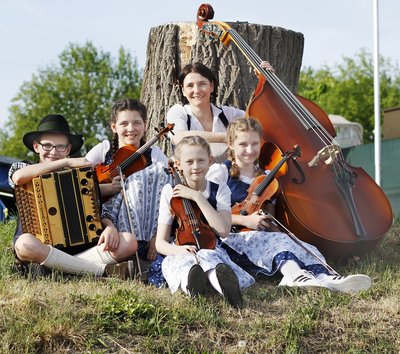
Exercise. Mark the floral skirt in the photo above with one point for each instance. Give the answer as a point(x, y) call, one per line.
point(175, 268)
point(143, 191)
point(267, 251)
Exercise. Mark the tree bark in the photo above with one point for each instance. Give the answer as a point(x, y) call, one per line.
point(170, 47)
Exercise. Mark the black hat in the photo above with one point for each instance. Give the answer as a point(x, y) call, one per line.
point(53, 123)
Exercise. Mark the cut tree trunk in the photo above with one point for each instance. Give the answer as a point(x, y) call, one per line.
point(170, 47)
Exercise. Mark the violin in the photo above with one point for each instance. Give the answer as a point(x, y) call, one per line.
point(192, 228)
point(324, 200)
point(128, 159)
point(263, 189)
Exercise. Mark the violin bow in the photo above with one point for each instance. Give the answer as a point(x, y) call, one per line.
point(129, 217)
point(300, 243)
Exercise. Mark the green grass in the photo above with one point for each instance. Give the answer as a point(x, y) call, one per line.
point(81, 314)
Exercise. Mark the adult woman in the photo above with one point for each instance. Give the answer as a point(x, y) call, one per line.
point(198, 113)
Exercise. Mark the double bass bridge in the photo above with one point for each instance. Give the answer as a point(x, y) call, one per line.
point(328, 155)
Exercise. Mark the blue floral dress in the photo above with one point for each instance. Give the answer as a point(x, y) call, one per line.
point(143, 192)
point(261, 252)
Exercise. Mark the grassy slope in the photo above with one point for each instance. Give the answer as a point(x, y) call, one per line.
point(59, 315)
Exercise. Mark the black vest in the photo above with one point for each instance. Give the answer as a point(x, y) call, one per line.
point(238, 187)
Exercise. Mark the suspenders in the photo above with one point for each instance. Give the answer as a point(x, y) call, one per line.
point(221, 116)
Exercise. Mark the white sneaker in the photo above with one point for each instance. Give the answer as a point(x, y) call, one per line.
point(346, 284)
point(304, 279)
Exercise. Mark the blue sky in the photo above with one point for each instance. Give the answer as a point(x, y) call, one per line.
point(34, 32)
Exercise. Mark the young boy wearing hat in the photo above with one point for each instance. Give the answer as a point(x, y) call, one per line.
point(54, 142)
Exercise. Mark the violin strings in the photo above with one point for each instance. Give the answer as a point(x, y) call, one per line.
point(263, 184)
point(190, 213)
point(187, 205)
point(139, 151)
point(293, 103)
point(127, 162)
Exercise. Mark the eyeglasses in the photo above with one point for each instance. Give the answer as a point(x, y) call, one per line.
point(49, 147)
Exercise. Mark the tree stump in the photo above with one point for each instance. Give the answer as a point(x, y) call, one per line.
point(170, 47)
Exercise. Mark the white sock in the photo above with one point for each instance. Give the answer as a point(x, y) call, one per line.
point(97, 255)
point(184, 282)
point(60, 260)
point(290, 268)
point(212, 277)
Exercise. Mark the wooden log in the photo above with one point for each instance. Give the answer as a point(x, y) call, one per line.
point(172, 46)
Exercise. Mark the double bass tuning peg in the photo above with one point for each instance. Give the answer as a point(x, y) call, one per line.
point(162, 126)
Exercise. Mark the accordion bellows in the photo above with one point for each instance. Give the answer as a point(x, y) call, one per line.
point(61, 208)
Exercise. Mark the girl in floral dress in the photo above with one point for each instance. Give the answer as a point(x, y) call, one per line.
point(186, 266)
point(266, 249)
point(143, 188)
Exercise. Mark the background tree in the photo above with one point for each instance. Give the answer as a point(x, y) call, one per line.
point(170, 47)
point(347, 89)
point(82, 86)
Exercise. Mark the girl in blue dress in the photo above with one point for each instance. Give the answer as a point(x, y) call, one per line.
point(265, 248)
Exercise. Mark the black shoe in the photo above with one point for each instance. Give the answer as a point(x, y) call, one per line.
point(124, 270)
point(30, 270)
point(143, 274)
point(197, 281)
point(229, 284)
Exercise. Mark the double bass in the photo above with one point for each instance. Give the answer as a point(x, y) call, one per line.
point(324, 200)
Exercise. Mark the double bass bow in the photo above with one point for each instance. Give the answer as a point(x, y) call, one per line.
point(192, 228)
point(128, 159)
point(324, 200)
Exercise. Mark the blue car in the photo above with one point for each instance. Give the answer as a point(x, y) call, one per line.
point(7, 203)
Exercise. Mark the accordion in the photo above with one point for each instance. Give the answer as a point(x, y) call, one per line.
point(61, 208)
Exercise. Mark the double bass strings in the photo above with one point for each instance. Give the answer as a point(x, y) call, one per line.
point(306, 118)
point(301, 112)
